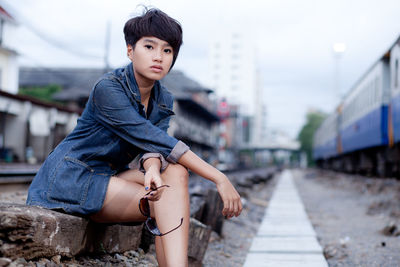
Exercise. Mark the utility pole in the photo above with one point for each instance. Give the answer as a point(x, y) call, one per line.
point(107, 46)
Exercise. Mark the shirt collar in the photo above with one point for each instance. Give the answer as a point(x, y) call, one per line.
point(133, 87)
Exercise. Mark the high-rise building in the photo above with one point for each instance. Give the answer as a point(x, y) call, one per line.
point(233, 70)
point(235, 77)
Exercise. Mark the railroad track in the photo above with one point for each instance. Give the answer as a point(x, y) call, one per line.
point(16, 177)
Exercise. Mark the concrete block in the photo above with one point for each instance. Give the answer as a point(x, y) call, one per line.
point(31, 232)
point(282, 259)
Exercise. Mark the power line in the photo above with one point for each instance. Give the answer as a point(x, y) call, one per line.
point(50, 40)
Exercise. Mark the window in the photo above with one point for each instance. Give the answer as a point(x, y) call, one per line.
point(1, 30)
point(1, 79)
point(396, 73)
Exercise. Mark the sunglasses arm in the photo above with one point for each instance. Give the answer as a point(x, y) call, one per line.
point(173, 229)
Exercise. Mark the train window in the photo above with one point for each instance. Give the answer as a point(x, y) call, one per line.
point(371, 93)
point(396, 73)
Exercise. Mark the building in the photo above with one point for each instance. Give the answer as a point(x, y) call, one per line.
point(76, 83)
point(235, 78)
point(195, 123)
point(8, 57)
point(233, 70)
point(30, 129)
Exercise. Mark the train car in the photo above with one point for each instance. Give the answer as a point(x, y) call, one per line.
point(364, 119)
point(368, 140)
point(325, 141)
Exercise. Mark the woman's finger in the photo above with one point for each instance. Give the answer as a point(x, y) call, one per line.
point(154, 196)
point(240, 206)
point(231, 208)
point(147, 182)
point(235, 208)
point(157, 182)
point(226, 208)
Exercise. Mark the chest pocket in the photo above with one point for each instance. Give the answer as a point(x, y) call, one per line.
point(161, 113)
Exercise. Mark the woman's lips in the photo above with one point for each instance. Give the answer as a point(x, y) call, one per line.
point(156, 68)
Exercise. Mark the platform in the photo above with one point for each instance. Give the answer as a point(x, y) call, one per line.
point(286, 237)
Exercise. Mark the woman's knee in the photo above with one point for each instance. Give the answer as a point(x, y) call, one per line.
point(176, 173)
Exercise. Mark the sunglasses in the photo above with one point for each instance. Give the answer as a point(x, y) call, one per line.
point(150, 223)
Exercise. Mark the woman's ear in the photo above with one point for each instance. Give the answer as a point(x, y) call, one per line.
point(129, 52)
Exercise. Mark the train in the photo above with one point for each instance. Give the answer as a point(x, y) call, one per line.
point(362, 135)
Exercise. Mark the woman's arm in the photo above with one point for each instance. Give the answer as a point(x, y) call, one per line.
point(117, 113)
point(229, 195)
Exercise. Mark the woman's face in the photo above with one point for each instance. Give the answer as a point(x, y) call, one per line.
point(152, 59)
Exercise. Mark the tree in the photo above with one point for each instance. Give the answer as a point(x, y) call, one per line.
point(44, 93)
point(305, 137)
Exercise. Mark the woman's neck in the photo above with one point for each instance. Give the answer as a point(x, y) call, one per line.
point(145, 92)
point(145, 86)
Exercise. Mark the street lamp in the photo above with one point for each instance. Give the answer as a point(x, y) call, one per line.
point(338, 50)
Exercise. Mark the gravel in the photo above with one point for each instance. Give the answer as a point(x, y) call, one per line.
point(356, 218)
point(229, 249)
point(237, 234)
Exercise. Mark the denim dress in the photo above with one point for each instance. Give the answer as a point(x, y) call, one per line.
point(112, 130)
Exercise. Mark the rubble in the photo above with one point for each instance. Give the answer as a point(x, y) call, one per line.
point(31, 232)
point(42, 237)
point(391, 229)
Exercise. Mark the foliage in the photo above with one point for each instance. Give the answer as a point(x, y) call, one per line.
point(305, 137)
point(44, 93)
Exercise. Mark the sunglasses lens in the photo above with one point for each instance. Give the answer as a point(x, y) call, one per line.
point(144, 207)
point(152, 226)
point(150, 223)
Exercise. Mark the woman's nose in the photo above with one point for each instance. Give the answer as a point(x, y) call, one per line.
point(157, 56)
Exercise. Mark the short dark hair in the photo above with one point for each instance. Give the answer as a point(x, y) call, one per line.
point(155, 23)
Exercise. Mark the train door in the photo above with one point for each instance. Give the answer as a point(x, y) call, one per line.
point(394, 107)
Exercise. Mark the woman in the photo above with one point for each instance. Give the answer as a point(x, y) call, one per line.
point(127, 114)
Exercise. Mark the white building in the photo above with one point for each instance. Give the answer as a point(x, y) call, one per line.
point(8, 57)
point(235, 77)
point(233, 70)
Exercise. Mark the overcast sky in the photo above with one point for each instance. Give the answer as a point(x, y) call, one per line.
point(293, 40)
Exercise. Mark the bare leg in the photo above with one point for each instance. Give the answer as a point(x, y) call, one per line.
point(121, 205)
point(160, 252)
point(173, 206)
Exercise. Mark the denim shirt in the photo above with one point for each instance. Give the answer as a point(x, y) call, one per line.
point(112, 130)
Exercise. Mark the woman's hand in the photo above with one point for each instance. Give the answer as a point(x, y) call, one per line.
point(230, 198)
point(152, 179)
point(229, 195)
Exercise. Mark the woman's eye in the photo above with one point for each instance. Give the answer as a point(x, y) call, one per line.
point(168, 51)
point(148, 46)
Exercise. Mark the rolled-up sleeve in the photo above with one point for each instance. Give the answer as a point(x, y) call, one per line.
point(179, 149)
point(115, 111)
point(164, 163)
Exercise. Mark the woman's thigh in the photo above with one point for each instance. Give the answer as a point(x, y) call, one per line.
point(132, 175)
point(124, 191)
point(121, 203)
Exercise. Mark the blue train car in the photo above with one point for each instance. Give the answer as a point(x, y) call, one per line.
point(364, 120)
point(325, 142)
point(368, 139)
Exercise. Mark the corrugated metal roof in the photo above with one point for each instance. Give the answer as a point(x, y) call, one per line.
point(75, 82)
